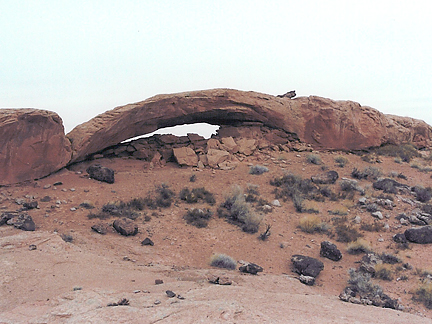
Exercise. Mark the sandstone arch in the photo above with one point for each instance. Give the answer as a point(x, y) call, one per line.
point(325, 123)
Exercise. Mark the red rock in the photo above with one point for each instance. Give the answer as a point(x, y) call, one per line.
point(33, 144)
point(322, 122)
point(185, 156)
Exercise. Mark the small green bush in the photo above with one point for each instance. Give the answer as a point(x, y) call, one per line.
point(347, 233)
point(311, 224)
point(258, 169)
point(313, 159)
point(341, 161)
point(198, 217)
point(406, 152)
point(423, 294)
point(376, 226)
point(196, 195)
point(360, 283)
point(383, 272)
point(359, 246)
point(164, 196)
point(237, 211)
point(223, 261)
point(422, 194)
point(370, 173)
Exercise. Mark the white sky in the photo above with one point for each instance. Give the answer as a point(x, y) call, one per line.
point(81, 58)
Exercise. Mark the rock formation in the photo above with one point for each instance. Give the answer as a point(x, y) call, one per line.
point(322, 122)
point(33, 144)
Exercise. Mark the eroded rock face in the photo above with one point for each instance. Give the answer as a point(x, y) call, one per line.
point(33, 144)
point(325, 123)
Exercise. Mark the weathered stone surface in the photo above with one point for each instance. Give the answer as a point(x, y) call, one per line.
point(101, 173)
point(251, 268)
point(23, 222)
point(185, 156)
point(125, 226)
point(246, 146)
point(307, 266)
point(228, 144)
point(33, 144)
point(325, 123)
point(330, 251)
point(329, 177)
point(215, 157)
point(420, 235)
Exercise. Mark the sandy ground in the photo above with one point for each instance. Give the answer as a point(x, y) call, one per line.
point(72, 282)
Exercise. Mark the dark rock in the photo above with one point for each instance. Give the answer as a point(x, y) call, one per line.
point(388, 185)
point(6, 216)
point(224, 281)
point(147, 241)
point(125, 227)
point(307, 280)
point(307, 266)
point(159, 282)
point(100, 228)
point(46, 199)
point(330, 251)
point(368, 263)
point(101, 173)
point(251, 268)
point(32, 247)
point(421, 235)
point(121, 302)
point(58, 183)
point(170, 294)
point(23, 222)
point(30, 205)
point(399, 238)
point(329, 177)
point(289, 94)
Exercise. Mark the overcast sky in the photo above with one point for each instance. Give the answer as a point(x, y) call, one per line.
point(81, 58)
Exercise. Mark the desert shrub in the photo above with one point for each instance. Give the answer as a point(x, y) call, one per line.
point(387, 185)
point(115, 209)
point(266, 234)
point(421, 167)
point(87, 205)
point(376, 226)
point(338, 212)
point(137, 203)
point(359, 246)
point(198, 217)
point(258, 169)
point(370, 173)
point(326, 191)
point(296, 188)
point(237, 211)
point(423, 294)
point(164, 196)
point(252, 189)
point(371, 207)
point(422, 194)
point(406, 152)
point(312, 224)
point(360, 283)
point(192, 178)
point(313, 159)
point(389, 258)
point(197, 194)
point(346, 233)
point(341, 161)
point(223, 261)
point(383, 272)
point(397, 160)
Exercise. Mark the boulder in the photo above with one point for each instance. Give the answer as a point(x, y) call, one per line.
point(185, 156)
point(147, 241)
point(125, 226)
point(251, 268)
point(329, 177)
point(101, 173)
point(228, 144)
point(100, 228)
point(23, 222)
point(307, 266)
point(399, 238)
point(215, 157)
point(420, 235)
point(246, 146)
point(330, 251)
point(33, 145)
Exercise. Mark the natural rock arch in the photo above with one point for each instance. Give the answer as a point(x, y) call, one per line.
point(325, 123)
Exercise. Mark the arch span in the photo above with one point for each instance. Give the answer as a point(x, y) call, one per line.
point(340, 125)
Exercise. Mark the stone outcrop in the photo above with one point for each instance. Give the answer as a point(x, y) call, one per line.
point(33, 145)
point(322, 122)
